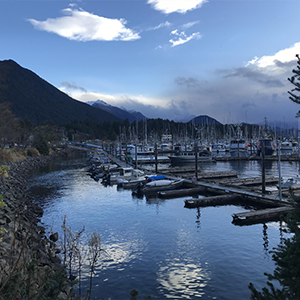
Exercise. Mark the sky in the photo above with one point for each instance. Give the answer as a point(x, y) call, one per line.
point(170, 59)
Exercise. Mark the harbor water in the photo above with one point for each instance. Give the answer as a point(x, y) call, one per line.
point(158, 247)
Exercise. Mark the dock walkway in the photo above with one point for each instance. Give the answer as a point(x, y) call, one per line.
point(241, 192)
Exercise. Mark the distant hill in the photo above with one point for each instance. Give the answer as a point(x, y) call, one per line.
point(121, 113)
point(205, 120)
point(37, 101)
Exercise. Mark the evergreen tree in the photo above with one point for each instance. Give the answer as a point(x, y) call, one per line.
point(295, 80)
point(286, 255)
point(287, 261)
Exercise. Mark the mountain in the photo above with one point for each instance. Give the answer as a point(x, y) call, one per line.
point(121, 113)
point(34, 99)
point(205, 120)
point(138, 115)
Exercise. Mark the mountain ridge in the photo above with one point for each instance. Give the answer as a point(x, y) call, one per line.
point(204, 120)
point(120, 112)
point(34, 99)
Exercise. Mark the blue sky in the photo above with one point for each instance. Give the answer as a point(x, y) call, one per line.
point(174, 59)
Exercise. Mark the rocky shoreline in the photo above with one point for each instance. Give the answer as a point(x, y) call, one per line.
point(29, 264)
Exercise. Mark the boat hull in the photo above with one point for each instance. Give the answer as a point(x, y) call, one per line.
point(176, 160)
point(161, 185)
point(238, 153)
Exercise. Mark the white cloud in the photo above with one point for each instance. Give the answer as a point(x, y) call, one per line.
point(182, 38)
point(282, 56)
point(180, 6)
point(80, 25)
point(161, 25)
point(189, 24)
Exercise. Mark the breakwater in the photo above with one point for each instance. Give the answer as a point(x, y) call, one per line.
point(29, 264)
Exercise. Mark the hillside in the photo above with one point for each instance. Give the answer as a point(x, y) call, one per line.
point(37, 101)
point(121, 113)
point(205, 120)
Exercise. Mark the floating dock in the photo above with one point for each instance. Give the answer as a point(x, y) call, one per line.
point(181, 193)
point(250, 181)
point(260, 216)
point(212, 201)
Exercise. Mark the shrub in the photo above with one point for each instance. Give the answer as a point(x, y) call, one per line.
point(32, 152)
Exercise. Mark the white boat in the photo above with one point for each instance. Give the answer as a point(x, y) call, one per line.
point(218, 149)
point(183, 157)
point(290, 182)
point(161, 185)
point(136, 177)
point(286, 147)
point(124, 173)
point(238, 148)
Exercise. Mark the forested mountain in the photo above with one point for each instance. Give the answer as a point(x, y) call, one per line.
point(121, 113)
point(34, 99)
point(205, 120)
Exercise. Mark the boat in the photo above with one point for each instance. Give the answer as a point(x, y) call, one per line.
point(124, 173)
point(238, 148)
point(188, 156)
point(268, 146)
point(136, 177)
point(218, 149)
point(290, 182)
point(155, 186)
point(286, 147)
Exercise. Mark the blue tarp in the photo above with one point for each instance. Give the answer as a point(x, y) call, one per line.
point(157, 177)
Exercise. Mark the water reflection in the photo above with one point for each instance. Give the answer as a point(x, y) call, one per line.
point(182, 279)
point(265, 238)
point(198, 215)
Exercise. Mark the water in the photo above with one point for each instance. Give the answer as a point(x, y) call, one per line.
point(159, 247)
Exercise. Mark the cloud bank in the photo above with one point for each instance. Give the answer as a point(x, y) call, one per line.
point(246, 93)
point(83, 26)
point(179, 6)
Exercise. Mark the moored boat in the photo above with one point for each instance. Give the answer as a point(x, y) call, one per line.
point(268, 146)
point(189, 156)
point(155, 186)
point(238, 148)
point(127, 173)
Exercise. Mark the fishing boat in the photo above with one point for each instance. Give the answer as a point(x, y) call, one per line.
point(189, 156)
point(268, 146)
point(238, 148)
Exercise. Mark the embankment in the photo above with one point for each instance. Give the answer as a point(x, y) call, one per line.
point(29, 266)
